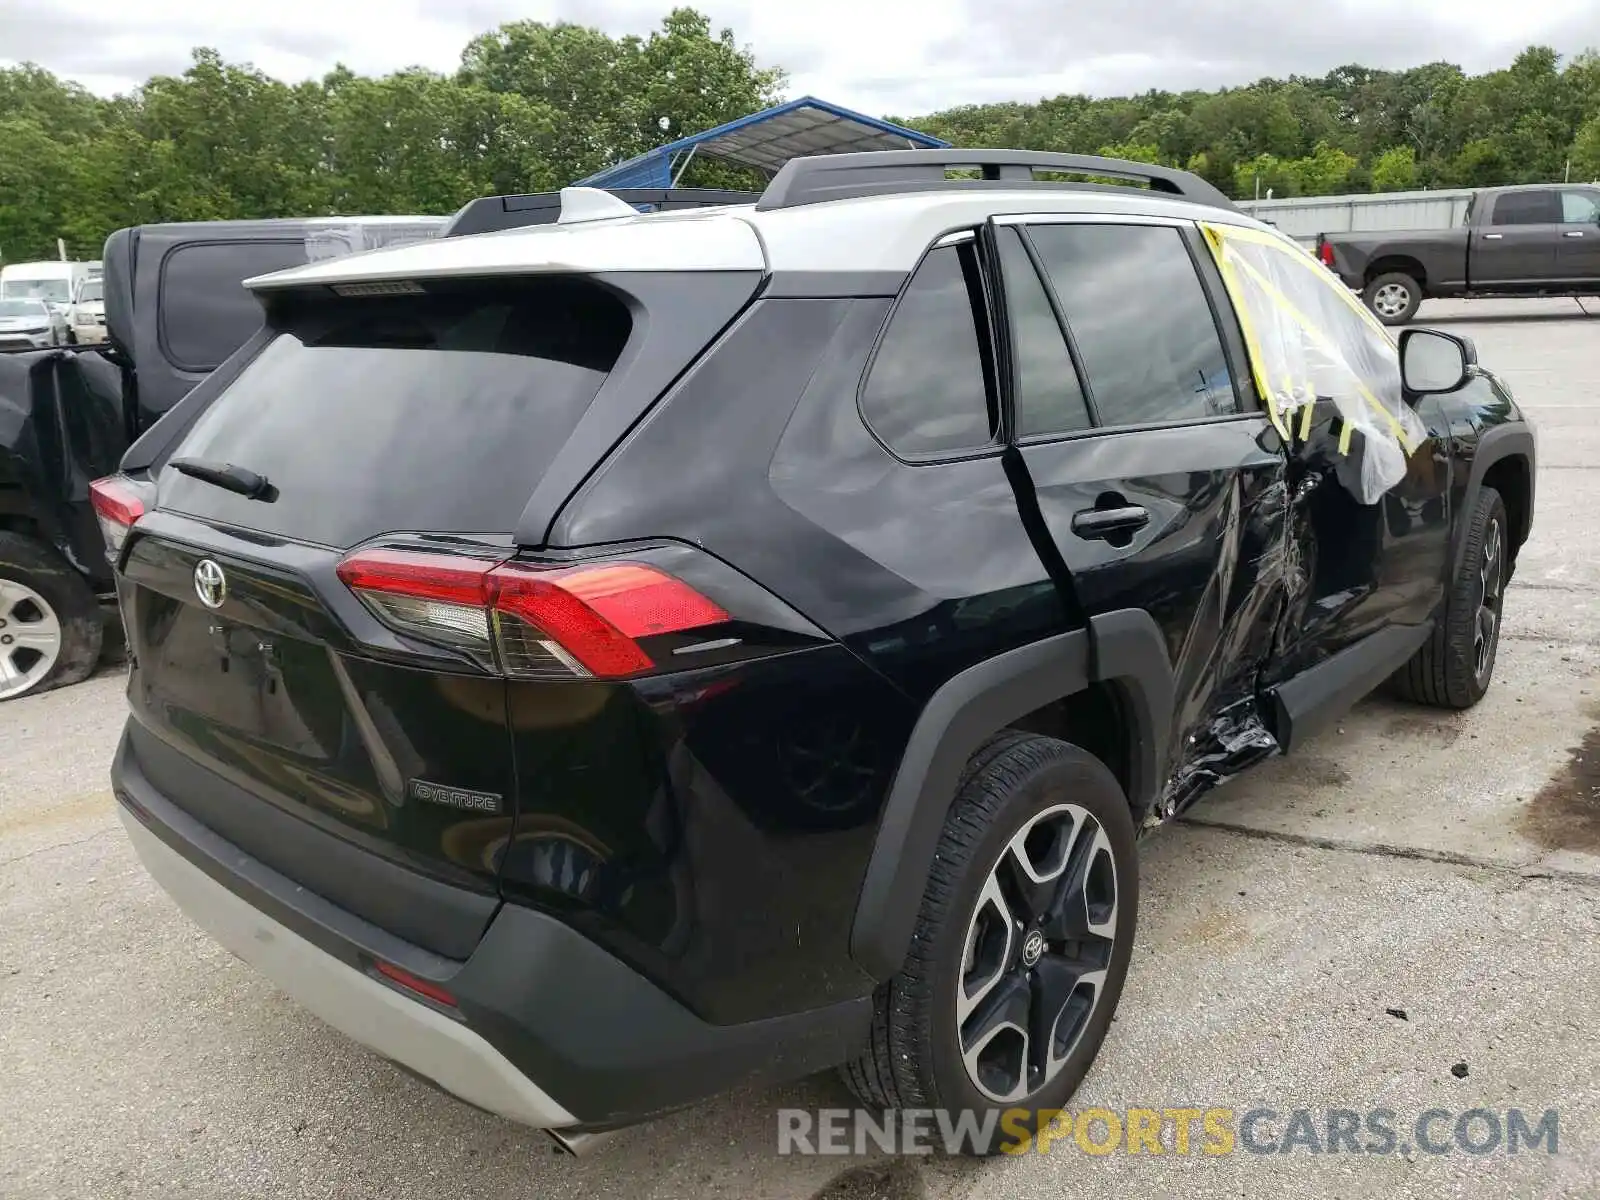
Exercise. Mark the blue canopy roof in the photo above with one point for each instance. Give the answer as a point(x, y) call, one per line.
point(766, 140)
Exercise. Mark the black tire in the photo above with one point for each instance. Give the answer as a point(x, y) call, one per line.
point(1454, 668)
point(61, 594)
point(1380, 294)
point(914, 1059)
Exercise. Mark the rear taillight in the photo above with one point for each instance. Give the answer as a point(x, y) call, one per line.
point(530, 621)
point(116, 507)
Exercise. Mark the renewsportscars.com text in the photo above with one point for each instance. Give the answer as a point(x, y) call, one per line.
point(1179, 1130)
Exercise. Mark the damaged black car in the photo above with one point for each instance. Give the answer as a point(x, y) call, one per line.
point(601, 664)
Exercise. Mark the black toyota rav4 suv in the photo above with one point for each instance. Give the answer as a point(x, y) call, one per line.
point(599, 664)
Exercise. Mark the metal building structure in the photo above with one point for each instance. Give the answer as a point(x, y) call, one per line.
point(765, 141)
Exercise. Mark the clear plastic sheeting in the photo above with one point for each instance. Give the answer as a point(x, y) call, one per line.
point(1310, 340)
point(352, 235)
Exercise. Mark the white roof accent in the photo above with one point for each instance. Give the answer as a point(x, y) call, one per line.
point(872, 233)
point(686, 240)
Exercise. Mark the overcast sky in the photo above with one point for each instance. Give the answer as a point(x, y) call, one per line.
point(883, 56)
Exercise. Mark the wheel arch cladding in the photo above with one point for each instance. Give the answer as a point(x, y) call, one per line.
point(965, 712)
point(1504, 461)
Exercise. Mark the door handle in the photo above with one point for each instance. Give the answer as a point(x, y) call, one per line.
point(1094, 523)
point(1493, 237)
point(1573, 233)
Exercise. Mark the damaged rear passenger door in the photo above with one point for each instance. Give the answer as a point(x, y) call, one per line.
point(1161, 483)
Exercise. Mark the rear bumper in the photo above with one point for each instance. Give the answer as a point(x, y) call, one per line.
point(413, 1034)
point(550, 1030)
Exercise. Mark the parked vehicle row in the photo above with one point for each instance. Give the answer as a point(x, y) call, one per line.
point(787, 686)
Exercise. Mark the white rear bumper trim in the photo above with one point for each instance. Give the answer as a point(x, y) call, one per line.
point(357, 1005)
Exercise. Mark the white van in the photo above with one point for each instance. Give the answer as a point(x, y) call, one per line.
point(56, 283)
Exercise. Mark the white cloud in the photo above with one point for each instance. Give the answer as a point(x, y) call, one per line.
point(900, 56)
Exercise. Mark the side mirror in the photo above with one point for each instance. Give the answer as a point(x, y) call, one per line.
point(1432, 363)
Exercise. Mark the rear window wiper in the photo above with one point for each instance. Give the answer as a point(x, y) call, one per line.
point(225, 475)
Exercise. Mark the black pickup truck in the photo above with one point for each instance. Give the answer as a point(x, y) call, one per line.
point(1538, 240)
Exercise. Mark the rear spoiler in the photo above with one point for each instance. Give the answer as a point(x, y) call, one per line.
point(488, 214)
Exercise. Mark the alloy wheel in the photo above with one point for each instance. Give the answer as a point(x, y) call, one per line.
point(1037, 952)
point(30, 638)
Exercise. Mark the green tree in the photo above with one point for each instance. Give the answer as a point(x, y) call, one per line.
point(618, 97)
point(1324, 172)
point(1263, 175)
point(37, 179)
point(1147, 152)
point(1483, 162)
point(252, 144)
point(1585, 153)
point(1395, 170)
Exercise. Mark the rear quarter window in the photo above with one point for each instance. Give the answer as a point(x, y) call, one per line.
point(930, 390)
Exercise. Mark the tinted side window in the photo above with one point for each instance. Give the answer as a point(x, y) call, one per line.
point(1580, 208)
point(1141, 322)
point(930, 390)
point(1527, 208)
point(206, 313)
point(1049, 398)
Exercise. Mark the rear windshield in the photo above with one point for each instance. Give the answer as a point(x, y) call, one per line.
point(434, 413)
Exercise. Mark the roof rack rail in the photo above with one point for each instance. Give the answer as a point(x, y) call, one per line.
point(885, 172)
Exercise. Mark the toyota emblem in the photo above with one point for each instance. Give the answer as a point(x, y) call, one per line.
point(1032, 948)
point(210, 584)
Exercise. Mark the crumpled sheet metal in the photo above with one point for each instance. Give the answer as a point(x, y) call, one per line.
point(1304, 346)
point(1253, 598)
